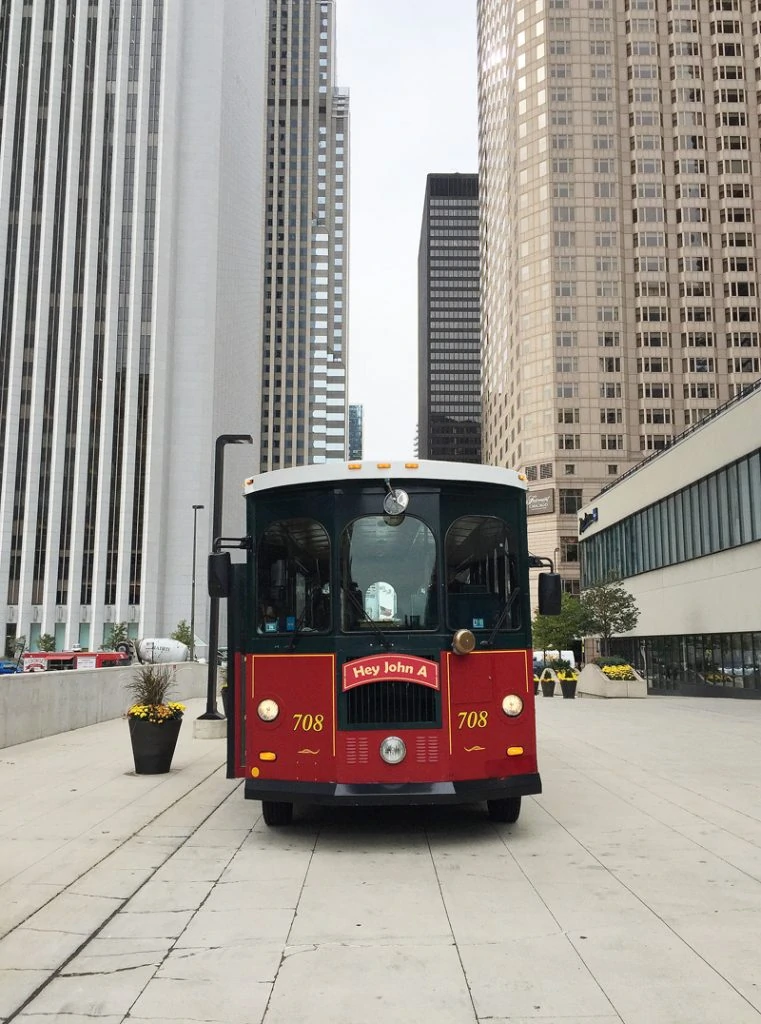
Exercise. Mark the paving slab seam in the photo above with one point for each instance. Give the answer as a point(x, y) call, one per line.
point(285, 955)
point(94, 934)
point(111, 853)
point(647, 907)
point(449, 923)
point(675, 828)
point(653, 777)
point(501, 833)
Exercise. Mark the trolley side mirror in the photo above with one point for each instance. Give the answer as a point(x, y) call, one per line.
point(549, 593)
point(218, 574)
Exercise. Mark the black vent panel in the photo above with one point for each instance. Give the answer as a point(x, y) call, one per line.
point(387, 704)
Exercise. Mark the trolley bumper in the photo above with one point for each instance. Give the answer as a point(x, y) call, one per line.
point(375, 794)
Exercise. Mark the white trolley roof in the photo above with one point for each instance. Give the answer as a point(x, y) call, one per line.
point(371, 469)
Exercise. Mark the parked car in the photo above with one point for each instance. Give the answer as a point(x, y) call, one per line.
point(8, 667)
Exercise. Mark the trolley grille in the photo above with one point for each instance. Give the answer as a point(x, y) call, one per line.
point(386, 704)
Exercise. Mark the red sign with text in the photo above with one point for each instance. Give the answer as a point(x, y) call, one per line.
point(393, 667)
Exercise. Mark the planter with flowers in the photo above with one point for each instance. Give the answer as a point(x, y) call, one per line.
point(548, 679)
point(536, 685)
point(611, 677)
point(154, 721)
point(567, 677)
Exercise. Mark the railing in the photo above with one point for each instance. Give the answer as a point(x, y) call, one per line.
point(712, 415)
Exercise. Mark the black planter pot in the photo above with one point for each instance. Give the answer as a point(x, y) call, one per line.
point(548, 687)
point(153, 745)
point(568, 688)
point(225, 701)
point(536, 688)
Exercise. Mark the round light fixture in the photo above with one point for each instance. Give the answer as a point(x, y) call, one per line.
point(393, 750)
point(463, 642)
point(268, 710)
point(512, 705)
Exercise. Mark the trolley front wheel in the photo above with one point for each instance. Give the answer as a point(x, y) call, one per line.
point(507, 809)
point(277, 812)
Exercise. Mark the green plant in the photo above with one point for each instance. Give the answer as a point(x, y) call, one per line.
point(118, 634)
point(608, 609)
point(15, 646)
point(182, 633)
point(611, 659)
point(46, 642)
point(149, 689)
point(558, 632)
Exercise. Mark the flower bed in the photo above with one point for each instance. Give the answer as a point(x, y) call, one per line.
point(157, 713)
point(623, 672)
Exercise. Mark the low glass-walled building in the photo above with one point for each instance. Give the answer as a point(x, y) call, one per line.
point(683, 530)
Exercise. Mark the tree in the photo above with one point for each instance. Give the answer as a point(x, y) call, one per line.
point(608, 609)
point(118, 634)
point(182, 633)
point(15, 646)
point(46, 642)
point(558, 632)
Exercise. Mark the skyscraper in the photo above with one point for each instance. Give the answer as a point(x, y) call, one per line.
point(130, 207)
point(304, 369)
point(356, 416)
point(449, 343)
point(619, 164)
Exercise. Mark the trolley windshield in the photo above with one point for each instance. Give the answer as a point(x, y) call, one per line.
point(388, 574)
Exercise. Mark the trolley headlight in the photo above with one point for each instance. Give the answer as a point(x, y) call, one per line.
point(463, 641)
point(268, 710)
point(512, 705)
point(393, 750)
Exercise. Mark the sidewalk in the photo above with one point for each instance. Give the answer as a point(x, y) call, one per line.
point(80, 834)
point(628, 893)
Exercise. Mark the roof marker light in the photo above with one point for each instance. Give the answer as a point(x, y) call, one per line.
point(412, 465)
point(384, 465)
point(354, 465)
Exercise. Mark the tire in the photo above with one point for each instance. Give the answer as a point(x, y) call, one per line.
point(277, 812)
point(507, 809)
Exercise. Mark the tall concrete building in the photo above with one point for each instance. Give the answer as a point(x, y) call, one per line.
point(356, 431)
point(131, 198)
point(620, 174)
point(304, 369)
point(449, 342)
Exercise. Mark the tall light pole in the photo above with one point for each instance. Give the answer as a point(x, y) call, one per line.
point(196, 509)
point(216, 531)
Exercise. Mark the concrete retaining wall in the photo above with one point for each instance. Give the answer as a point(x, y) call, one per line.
point(37, 704)
point(594, 683)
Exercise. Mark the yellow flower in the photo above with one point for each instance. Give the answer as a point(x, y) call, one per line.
point(623, 672)
point(157, 713)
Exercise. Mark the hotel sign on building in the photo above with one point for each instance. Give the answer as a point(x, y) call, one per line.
point(540, 502)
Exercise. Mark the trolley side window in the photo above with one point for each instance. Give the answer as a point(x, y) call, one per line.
point(293, 577)
point(480, 573)
point(388, 574)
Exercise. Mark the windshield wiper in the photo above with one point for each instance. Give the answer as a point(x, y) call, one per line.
point(489, 642)
point(360, 607)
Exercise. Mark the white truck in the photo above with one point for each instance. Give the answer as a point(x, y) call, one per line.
point(155, 650)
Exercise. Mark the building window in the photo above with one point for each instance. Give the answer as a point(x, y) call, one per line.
point(569, 549)
point(570, 501)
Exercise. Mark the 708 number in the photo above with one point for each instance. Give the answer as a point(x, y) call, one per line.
point(473, 719)
point(308, 723)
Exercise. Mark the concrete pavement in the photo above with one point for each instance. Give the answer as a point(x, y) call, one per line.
point(630, 891)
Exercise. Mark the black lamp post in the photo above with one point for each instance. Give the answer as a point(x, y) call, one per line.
point(196, 509)
point(216, 532)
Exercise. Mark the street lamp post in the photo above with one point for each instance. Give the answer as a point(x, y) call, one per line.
point(196, 509)
point(216, 530)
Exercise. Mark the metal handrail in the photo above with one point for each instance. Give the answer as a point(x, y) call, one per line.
point(746, 391)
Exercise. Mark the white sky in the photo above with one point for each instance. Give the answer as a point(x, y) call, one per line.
point(410, 67)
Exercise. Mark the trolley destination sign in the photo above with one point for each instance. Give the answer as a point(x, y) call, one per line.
point(385, 667)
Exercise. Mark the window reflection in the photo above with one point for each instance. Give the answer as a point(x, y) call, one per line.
point(388, 574)
point(479, 573)
point(293, 577)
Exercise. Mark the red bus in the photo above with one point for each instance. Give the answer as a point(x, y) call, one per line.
point(58, 661)
point(379, 637)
